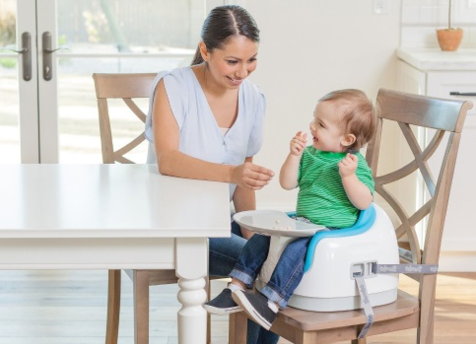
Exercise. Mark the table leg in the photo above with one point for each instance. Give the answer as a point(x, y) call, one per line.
point(191, 268)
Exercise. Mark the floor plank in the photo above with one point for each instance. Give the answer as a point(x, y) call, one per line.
point(69, 307)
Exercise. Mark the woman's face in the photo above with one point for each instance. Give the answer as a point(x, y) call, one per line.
point(234, 62)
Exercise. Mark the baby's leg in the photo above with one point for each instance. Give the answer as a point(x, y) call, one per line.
point(264, 306)
point(288, 272)
point(246, 270)
point(251, 260)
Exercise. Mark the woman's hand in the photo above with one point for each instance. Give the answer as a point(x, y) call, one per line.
point(298, 143)
point(251, 176)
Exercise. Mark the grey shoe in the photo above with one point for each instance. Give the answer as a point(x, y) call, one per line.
point(256, 306)
point(222, 304)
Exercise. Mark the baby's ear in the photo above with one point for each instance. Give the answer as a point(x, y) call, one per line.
point(348, 140)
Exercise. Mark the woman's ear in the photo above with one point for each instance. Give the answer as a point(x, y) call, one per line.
point(348, 140)
point(204, 51)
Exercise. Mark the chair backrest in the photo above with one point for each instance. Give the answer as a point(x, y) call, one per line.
point(127, 87)
point(445, 119)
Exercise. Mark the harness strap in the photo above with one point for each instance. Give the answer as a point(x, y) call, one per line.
point(424, 269)
point(368, 310)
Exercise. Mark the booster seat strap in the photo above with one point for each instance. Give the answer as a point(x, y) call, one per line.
point(427, 269)
point(424, 269)
point(368, 310)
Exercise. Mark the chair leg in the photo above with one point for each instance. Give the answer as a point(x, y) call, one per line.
point(113, 306)
point(238, 328)
point(425, 335)
point(303, 337)
point(425, 331)
point(141, 306)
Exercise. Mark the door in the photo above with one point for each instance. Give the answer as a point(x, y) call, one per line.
point(49, 50)
point(18, 86)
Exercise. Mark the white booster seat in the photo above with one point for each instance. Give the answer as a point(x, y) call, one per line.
point(335, 257)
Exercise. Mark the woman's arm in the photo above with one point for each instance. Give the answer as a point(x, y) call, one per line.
point(244, 199)
point(172, 162)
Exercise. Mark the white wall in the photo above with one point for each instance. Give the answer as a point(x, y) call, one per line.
point(311, 47)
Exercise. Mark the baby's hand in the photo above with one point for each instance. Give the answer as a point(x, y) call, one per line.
point(348, 165)
point(298, 143)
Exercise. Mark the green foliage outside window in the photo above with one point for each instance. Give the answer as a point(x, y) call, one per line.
point(7, 27)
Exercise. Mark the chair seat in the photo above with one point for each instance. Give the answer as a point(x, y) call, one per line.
point(405, 306)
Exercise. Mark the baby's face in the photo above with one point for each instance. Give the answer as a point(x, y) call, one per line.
point(326, 130)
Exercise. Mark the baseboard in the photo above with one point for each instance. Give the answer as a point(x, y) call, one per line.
point(457, 261)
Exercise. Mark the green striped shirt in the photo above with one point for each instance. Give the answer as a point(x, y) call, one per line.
point(322, 198)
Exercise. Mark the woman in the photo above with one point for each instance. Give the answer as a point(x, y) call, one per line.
point(206, 122)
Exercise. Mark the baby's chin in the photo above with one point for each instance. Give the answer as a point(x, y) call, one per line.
point(316, 145)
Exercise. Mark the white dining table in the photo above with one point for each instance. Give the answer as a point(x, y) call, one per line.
point(57, 216)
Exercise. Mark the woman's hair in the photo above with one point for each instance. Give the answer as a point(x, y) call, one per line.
point(358, 115)
point(222, 23)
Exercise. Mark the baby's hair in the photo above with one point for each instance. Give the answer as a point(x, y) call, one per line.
point(358, 115)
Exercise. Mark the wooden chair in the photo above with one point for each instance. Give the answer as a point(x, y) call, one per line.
point(128, 87)
point(409, 112)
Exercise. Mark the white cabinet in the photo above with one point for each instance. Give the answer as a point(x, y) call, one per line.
point(442, 75)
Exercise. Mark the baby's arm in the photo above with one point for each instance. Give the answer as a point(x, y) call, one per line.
point(289, 171)
point(357, 192)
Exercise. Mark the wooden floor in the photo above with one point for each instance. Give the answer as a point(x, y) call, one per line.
point(69, 307)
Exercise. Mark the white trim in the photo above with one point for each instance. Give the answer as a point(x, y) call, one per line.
point(28, 97)
point(458, 243)
point(451, 261)
point(48, 90)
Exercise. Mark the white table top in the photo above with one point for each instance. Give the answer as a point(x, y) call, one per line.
point(435, 59)
point(114, 217)
point(108, 201)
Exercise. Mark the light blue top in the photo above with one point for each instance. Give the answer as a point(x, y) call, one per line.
point(200, 135)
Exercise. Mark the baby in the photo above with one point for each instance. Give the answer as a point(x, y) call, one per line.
point(334, 182)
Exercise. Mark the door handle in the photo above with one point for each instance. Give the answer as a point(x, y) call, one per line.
point(25, 52)
point(47, 55)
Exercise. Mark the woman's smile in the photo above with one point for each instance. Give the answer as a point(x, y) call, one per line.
point(235, 82)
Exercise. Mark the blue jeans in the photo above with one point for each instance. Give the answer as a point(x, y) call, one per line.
point(223, 255)
point(287, 274)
